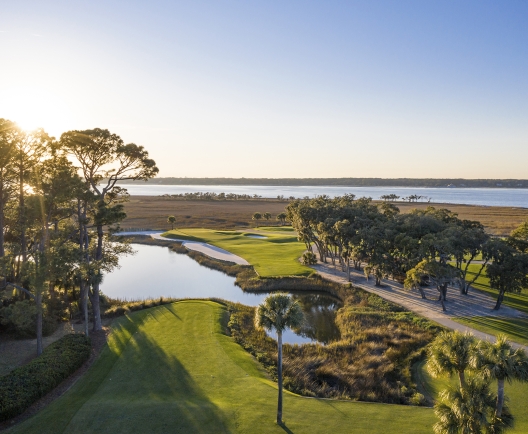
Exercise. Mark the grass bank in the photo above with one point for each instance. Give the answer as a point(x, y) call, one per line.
point(212, 387)
point(276, 255)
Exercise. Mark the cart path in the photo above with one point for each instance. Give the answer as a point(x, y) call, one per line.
point(457, 305)
point(204, 248)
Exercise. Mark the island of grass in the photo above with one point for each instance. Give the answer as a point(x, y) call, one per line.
point(275, 255)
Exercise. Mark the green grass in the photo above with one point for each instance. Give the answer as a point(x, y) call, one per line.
point(517, 301)
point(516, 391)
point(275, 228)
point(171, 369)
point(515, 328)
point(276, 255)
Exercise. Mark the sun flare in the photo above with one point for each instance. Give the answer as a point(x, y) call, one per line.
point(34, 108)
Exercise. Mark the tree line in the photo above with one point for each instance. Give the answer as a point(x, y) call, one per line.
point(431, 246)
point(56, 199)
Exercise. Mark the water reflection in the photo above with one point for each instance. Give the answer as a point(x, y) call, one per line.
point(155, 272)
point(319, 317)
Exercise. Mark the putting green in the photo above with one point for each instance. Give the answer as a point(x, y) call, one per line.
point(275, 255)
point(171, 369)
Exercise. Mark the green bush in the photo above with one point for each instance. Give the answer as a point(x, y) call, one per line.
point(20, 318)
point(23, 386)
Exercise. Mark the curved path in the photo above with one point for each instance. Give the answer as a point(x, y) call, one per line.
point(207, 249)
point(473, 304)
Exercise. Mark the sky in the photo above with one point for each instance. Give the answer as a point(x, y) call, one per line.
point(415, 89)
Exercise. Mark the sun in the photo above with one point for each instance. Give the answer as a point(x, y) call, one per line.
point(33, 108)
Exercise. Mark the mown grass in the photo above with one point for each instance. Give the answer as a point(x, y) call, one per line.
point(516, 393)
point(172, 369)
point(275, 228)
point(515, 328)
point(276, 255)
point(517, 301)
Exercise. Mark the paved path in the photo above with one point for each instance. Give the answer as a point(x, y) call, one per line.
point(473, 304)
point(207, 249)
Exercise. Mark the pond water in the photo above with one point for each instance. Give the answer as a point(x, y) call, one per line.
point(155, 272)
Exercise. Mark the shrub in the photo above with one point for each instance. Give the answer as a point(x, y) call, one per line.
point(21, 319)
point(23, 386)
point(309, 258)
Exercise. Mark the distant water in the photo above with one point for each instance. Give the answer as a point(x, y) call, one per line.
point(469, 196)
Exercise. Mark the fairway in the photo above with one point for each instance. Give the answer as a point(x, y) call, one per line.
point(170, 369)
point(275, 255)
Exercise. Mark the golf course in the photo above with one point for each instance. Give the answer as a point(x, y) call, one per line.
point(172, 369)
point(276, 254)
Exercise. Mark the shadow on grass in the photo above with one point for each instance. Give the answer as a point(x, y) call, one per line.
point(285, 428)
point(515, 328)
point(138, 385)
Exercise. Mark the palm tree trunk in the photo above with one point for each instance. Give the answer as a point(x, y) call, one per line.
point(500, 397)
point(462, 379)
point(279, 374)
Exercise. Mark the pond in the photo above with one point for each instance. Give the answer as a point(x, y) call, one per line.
point(155, 272)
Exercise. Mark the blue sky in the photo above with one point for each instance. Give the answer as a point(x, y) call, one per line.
point(280, 88)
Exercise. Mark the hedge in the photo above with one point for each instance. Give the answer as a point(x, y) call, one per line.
point(23, 386)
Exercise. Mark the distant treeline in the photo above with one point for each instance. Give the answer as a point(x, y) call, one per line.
point(346, 182)
point(232, 196)
point(220, 196)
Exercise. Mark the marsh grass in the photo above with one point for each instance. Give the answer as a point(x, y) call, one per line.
point(371, 362)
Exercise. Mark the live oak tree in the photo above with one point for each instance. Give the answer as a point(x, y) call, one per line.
point(105, 160)
point(281, 217)
point(256, 217)
point(508, 270)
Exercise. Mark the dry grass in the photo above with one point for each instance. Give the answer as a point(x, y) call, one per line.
point(371, 362)
point(151, 212)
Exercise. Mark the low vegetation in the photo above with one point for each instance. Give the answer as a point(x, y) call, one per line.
point(23, 386)
point(151, 212)
point(370, 362)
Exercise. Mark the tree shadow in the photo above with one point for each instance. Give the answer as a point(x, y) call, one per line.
point(138, 384)
point(285, 428)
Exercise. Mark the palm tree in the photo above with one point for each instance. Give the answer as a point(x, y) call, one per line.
point(501, 362)
point(257, 216)
point(277, 312)
point(468, 410)
point(451, 352)
point(171, 220)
